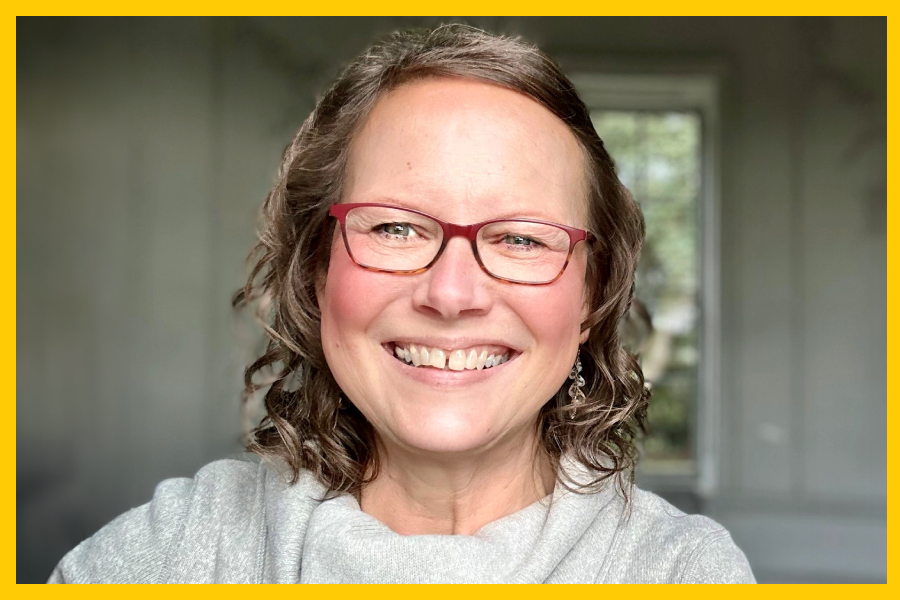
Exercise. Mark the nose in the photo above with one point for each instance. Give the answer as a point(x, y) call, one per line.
point(455, 285)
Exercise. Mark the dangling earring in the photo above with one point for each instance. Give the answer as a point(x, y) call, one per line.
point(576, 393)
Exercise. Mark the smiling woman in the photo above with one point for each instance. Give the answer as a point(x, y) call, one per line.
point(445, 260)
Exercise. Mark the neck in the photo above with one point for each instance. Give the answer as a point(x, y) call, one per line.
point(417, 493)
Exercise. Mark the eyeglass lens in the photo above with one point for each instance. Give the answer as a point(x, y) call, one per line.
point(394, 239)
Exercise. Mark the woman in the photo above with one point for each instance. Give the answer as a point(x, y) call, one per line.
point(442, 268)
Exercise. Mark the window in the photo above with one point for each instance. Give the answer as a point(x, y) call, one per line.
point(658, 130)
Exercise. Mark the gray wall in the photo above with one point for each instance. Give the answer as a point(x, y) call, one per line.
point(144, 148)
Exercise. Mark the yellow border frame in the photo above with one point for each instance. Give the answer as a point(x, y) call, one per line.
point(763, 7)
point(459, 7)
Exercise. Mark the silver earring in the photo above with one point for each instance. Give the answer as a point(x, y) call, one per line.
point(576, 391)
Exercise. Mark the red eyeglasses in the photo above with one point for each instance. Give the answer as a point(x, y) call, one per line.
point(388, 239)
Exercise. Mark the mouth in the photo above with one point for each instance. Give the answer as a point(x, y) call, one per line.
point(473, 358)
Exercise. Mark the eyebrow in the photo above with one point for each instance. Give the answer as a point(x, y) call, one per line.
point(399, 203)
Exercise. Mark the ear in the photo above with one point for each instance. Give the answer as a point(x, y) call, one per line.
point(585, 312)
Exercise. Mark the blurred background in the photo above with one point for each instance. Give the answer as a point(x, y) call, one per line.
point(756, 147)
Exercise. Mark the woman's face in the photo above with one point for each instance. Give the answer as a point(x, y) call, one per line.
point(465, 152)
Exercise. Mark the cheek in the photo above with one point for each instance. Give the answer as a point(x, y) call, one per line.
point(348, 301)
point(556, 312)
point(350, 304)
point(354, 301)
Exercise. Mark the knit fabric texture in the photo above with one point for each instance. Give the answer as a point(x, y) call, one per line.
point(238, 521)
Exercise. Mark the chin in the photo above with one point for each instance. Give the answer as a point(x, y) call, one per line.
point(446, 431)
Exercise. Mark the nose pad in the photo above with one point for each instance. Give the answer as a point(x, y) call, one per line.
point(455, 283)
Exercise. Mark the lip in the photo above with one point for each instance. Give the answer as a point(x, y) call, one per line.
point(445, 378)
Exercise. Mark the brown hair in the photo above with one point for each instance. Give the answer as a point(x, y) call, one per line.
point(306, 424)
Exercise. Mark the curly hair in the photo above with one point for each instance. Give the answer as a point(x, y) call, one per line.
point(306, 424)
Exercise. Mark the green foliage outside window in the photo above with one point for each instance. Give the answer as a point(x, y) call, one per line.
point(657, 157)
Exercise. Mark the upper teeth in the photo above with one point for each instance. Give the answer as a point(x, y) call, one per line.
point(455, 360)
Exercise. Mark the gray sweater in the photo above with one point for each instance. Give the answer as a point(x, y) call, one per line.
point(239, 521)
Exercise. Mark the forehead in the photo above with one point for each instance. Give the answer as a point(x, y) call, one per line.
point(468, 151)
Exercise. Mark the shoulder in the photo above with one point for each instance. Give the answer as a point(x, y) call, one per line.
point(659, 542)
point(191, 527)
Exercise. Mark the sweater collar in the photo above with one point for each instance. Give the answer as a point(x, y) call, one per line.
point(345, 545)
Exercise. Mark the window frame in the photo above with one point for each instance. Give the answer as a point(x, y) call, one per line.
point(636, 89)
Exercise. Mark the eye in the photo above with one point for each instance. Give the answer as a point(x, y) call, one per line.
point(519, 240)
point(398, 229)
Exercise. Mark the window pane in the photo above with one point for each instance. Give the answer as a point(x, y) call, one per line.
point(657, 155)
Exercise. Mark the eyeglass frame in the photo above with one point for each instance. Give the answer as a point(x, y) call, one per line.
point(452, 230)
